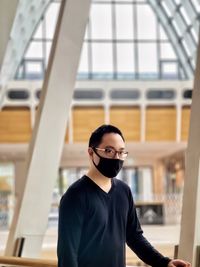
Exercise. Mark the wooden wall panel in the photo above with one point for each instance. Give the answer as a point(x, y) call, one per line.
point(85, 120)
point(15, 125)
point(160, 123)
point(67, 135)
point(127, 119)
point(185, 122)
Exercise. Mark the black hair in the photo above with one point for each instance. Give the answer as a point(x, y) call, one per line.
point(97, 135)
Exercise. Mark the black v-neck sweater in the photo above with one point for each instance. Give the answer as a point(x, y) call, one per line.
point(94, 227)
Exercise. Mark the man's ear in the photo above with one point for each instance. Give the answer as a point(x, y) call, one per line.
point(90, 151)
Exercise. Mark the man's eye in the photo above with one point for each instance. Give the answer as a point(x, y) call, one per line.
point(108, 150)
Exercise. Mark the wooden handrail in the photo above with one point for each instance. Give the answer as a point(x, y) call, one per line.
point(17, 261)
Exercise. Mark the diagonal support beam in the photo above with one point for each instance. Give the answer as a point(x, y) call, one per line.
point(9, 8)
point(41, 168)
point(190, 225)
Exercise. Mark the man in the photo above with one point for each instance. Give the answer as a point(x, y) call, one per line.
point(97, 215)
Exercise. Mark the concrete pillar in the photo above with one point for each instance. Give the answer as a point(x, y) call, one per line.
point(45, 149)
point(190, 224)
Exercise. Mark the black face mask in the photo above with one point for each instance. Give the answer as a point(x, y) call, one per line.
point(109, 167)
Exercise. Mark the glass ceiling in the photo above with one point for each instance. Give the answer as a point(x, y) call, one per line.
point(125, 40)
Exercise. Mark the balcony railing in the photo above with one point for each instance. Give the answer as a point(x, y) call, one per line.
point(18, 261)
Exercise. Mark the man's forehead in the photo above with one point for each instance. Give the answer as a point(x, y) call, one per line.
point(112, 138)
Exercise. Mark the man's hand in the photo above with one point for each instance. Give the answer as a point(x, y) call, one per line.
point(178, 263)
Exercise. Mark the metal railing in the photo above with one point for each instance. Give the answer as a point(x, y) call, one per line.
point(172, 206)
point(17, 261)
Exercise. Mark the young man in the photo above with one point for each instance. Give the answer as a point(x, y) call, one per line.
point(97, 215)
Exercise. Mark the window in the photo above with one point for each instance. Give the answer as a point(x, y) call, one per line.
point(34, 69)
point(187, 94)
point(102, 58)
point(169, 69)
point(160, 94)
point(125, 59)
point(148, 64)
point(167, 51)
point(51, 19)
point(19, 94)
point(38, 93)
point(124, 22)
point(121, 94)
point(101, 21)
point(88, 94)
point(83, 66)
point(35, 50)
point(118, 43)
point(146, 17)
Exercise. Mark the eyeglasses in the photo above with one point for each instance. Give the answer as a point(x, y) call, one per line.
point(111, 152)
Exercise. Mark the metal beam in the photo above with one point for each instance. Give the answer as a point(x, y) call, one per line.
point(183, 27)
point(191, 12)
point(42, 162)
point(173, 34)
point(26, 19)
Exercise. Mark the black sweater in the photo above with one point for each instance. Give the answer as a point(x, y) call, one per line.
point(94, 227)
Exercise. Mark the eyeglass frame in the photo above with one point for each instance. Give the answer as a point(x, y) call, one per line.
point(116, 152)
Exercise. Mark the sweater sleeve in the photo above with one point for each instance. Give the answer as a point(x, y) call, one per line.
point(138, 243)
point(69, 229)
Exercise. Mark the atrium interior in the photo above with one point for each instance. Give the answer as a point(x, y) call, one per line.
point(67, 67)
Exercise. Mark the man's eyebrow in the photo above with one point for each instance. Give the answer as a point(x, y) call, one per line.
point(109, 147)
point(122, 148)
